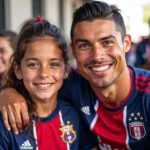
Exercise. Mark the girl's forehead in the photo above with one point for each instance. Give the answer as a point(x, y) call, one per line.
point(43, 49)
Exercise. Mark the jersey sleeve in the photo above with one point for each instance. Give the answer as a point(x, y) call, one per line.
point(4, 137)
point(87, 139)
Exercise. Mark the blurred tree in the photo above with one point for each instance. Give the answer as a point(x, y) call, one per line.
point(146, 12)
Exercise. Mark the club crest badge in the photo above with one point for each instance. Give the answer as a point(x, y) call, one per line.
point(68, 134)
point(137, 130)
point(136, 127)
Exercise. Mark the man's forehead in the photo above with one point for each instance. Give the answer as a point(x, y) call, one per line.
point(93, 26)
point(95, 29)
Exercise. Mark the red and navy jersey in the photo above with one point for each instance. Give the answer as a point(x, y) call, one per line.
point(62, 130)
point(121, 128)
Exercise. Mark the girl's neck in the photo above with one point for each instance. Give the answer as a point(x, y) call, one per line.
point(44, 109)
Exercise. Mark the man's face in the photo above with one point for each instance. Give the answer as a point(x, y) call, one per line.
point(99, 51)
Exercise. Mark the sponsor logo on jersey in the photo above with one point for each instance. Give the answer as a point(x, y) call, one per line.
point(68, 134)
point(86, 110)
point(137, 129)
point(26, 145)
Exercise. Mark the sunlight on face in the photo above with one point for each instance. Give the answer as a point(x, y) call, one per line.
point(42, 70)
point(99, 52)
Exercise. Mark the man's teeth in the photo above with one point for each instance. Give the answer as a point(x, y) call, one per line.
point(102, 68)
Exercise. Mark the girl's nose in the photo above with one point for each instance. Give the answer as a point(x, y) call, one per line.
point(44, 72)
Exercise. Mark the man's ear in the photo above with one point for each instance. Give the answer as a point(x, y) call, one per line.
point(67, 69)
point(17, 71)
point(73, 49)
point(127, 43)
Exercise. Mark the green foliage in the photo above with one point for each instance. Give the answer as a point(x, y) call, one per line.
point(146, 13)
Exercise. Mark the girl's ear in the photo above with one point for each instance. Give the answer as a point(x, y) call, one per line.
point(67, 69)
point(17, 71)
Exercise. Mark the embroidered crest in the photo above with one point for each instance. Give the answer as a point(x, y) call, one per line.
point(68, 134)
point(137, 129)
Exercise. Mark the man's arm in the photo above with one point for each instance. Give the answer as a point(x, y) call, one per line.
point(14, 110)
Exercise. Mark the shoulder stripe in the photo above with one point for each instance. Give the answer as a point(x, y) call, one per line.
point(145, 89)
point(142, 78)
point(142, 83)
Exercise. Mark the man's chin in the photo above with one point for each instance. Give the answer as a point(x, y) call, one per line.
point(101, 84)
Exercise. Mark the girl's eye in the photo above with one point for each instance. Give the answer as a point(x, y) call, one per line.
point(54, 65)
point(32, 65)
point(2, 50)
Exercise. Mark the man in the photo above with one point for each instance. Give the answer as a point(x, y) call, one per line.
point(111, 98)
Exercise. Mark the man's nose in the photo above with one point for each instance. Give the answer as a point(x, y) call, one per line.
point(98, 53)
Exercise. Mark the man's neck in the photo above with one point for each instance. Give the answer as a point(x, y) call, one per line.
point(115, 94)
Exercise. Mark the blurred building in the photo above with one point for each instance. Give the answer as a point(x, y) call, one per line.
point(14, 12)
point(132, 13)
point(59, 12)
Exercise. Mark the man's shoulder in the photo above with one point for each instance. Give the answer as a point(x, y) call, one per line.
point(75, 79)
point(74, 72)
point(66, 106)
point(142, 81)
point(139, 73)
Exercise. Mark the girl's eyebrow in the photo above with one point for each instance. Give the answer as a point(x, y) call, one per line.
point(36, 59)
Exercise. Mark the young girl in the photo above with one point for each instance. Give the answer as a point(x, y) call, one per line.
point(39, 66)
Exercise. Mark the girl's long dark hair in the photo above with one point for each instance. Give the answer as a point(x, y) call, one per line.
point(31, 31)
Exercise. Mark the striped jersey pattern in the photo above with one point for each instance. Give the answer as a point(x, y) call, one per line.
point(126, 127)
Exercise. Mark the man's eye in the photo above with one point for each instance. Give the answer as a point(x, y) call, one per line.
point(108, 43)
point(84, 46)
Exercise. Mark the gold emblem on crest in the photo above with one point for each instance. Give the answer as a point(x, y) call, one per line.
point(68, 134)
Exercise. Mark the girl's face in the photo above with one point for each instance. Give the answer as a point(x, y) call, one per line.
point(42, 70)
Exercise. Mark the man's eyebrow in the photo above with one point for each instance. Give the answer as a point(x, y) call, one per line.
point(107, 37)
point(81, 40)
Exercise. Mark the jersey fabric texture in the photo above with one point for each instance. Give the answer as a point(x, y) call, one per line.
point(62, 130)
point(121, 128)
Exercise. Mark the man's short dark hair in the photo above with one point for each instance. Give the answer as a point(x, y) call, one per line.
point(98, 10)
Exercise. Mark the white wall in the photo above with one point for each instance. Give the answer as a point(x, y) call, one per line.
point(51, 11)
point(17, 12)
point(67, 17)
